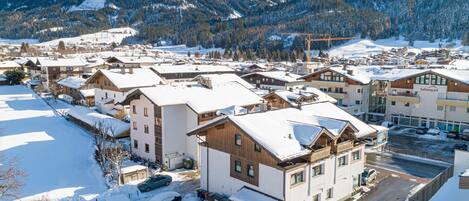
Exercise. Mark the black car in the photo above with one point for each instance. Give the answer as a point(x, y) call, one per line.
point(460, 147)
point(453, 134)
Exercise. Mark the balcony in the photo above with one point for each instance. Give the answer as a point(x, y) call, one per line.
point(343, 146)
point(320, 154)
point(452, 102)
point(337, 95)
point(321, 83)
point(404, 97)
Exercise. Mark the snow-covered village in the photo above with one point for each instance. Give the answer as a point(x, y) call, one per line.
point(248, 100)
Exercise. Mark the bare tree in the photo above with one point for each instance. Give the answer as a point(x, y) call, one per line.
point(116, 155)
point(101, 142)
point(10, 184)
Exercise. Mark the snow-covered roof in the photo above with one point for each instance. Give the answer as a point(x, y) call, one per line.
point(72, 82)
point(465, 173)
point(189, 68)
point(136, 60)
point(362, 74)
point(87, 92)
point(292, 96)
point(330, 110)
point(58, 62)
point(397, 74)
point(285, 132)
point(247, 194)
point(222, 78)
point(93, 118)
point(133, 168)
point(139, 78)
point(278, 75)
point(200, 98)
point(9, 64)
point(451, 191)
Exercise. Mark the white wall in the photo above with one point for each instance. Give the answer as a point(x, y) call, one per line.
point(192, 146)
point(139, 134)
point(461, 161)
point(174, 130)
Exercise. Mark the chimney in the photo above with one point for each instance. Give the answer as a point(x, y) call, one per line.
point(344, 67)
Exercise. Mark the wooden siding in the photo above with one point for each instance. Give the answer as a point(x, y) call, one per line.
point(459, 87)
point(255, 78)
point(275, 101)
point(464, 182)
point(243, 175)
point(404, 83)
point(102, 82)
point(158, 135)
point(222, 138)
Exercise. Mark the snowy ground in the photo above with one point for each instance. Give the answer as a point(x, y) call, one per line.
point(366, 47)
point(55, 154)
point(182, 49)
point(115, 35)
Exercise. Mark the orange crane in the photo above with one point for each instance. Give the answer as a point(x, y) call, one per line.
point(309, 38)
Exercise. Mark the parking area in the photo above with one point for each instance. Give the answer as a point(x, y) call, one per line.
point(438, 147)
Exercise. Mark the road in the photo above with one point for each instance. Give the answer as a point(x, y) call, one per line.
point(414, 168)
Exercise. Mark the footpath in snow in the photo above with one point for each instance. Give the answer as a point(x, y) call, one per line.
point(56, 155)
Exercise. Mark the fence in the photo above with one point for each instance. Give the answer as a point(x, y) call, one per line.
point(427, 192)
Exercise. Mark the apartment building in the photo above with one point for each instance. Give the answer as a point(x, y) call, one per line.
point(271, 79)
point(162, 115)
point(53, 69)
point(428, 98)
point(112, 85)
point(349, 86)
point(286, 154)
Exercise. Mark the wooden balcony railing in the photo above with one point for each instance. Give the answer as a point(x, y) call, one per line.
point(343, 146)
point(320, 153)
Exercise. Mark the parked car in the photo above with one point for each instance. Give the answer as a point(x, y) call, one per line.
point(167, 196)
point(154, 182)
point(368, 176)
point(387, 124)
point(433, 131)
point(465, 134)
point(453, 134)
point(460, 147)
point(421, 130)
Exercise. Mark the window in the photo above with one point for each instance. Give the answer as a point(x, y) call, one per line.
point(145, 129)
point(393, 102)
point(356, 155)
point(467, 110)
point(359, 90)
point(145, 111)
point(452, 108)
point(357, 102)
point(238, 139)
point(317, 197)
point(342, 161)
point(238, 166)
point(330, 193)
point(439, 108)
point(134, 125)
point(407, 104)
point(257, 147)
point(250, 170)
point(135, 144)
point(318, 170)
point(105, 95)
point(147, 148)
point(134, 109)
point(296, 178)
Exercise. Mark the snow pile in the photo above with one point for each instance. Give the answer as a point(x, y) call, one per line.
point(89, 5)
point(56, 155)
point(92, 118)
point(108, 37)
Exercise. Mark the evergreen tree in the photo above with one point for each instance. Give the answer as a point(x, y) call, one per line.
point(465, 40)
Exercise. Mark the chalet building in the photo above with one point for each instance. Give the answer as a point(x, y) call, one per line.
point(131, 62)
point(187, 72)
point(112, 85)
point(161, 116)
point(286, 154)
point(271, 79)
point(53, 69)
point(349, 86)
point(296, 98)
point(8, 66)
point(74, 91)
point(255, 68)
point(428, 98)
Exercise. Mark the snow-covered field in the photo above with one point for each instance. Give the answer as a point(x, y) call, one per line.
point(366, 47)
point(109, 36)
point(4, 41)
point(56, 155)
point(183, 49)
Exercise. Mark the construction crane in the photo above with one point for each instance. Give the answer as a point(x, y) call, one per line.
point(309, 38)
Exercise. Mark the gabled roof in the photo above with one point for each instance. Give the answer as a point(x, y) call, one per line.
point(135, 60)
point(362, 74)
point(72, 82)
point(292, 97)
point(399, 74)
point(285, 133)
point(223, 78)
point(139, 78)
point(9, 64)
point(278, 75)
point(198, 97)
point(58, 62)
